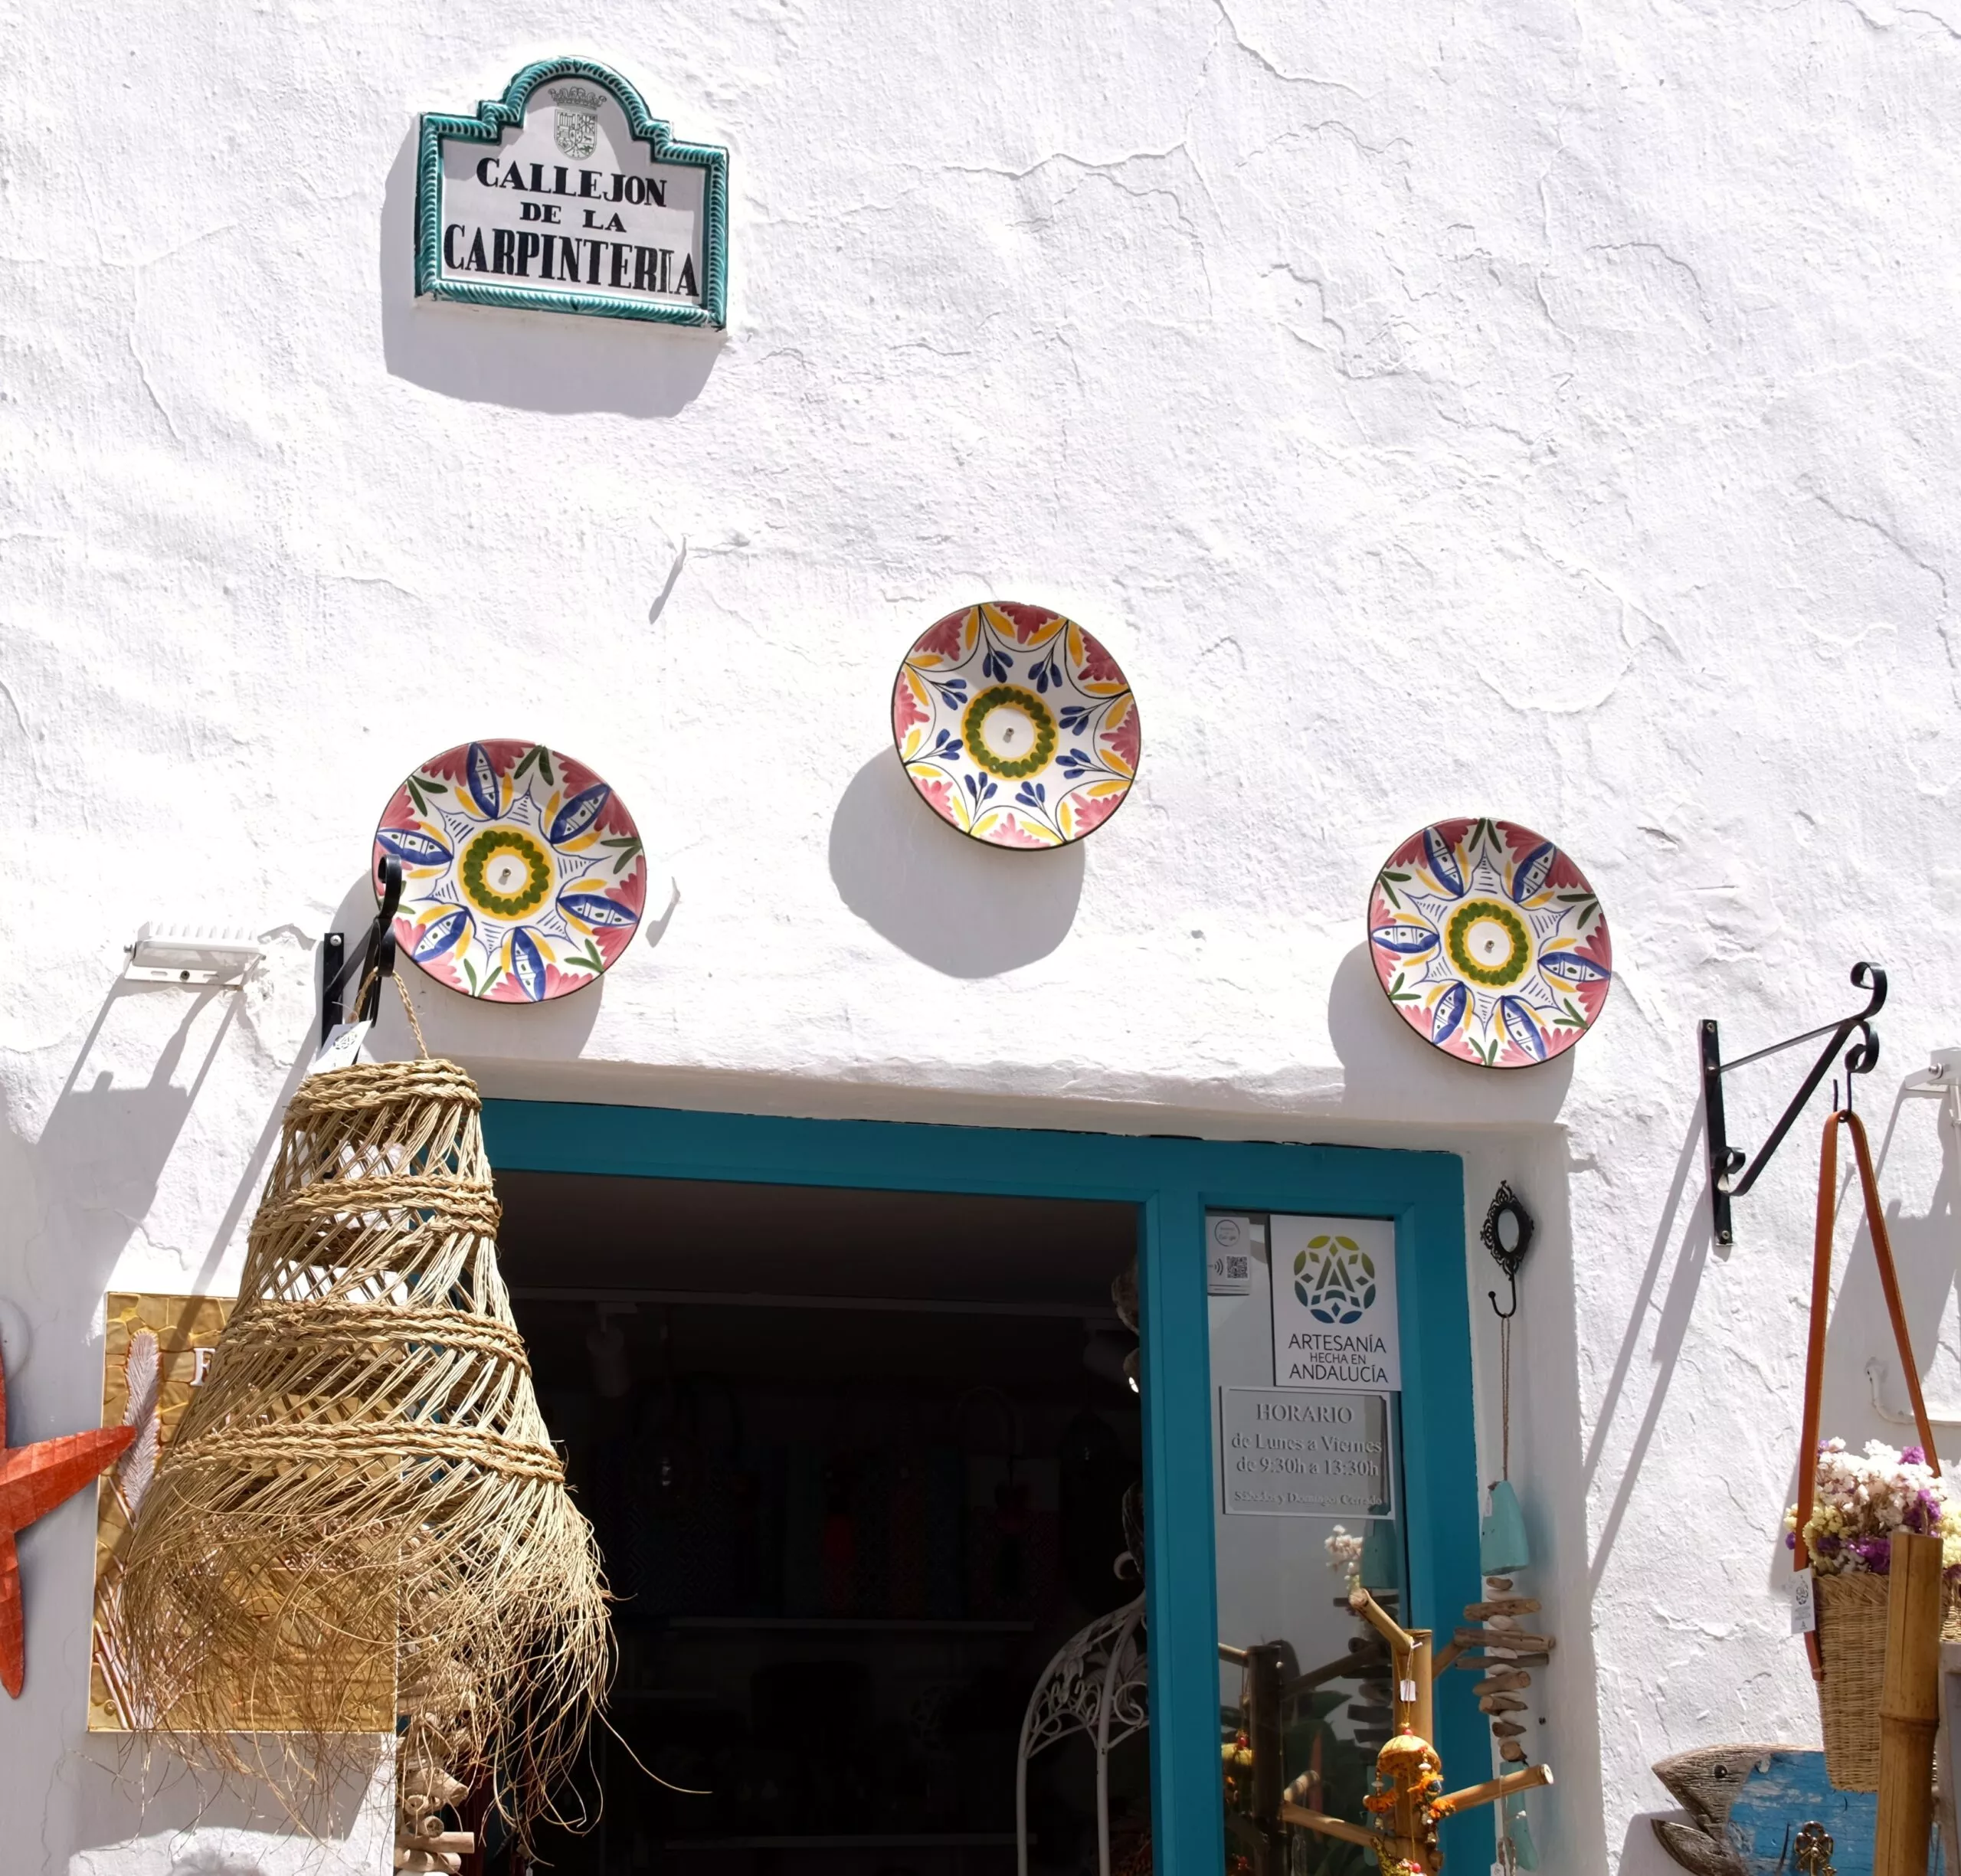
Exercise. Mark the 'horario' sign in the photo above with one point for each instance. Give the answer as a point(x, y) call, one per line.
point(565, 196)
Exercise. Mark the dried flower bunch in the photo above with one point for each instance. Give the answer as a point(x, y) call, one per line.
point(1344, 1552)
point(1860, 1500)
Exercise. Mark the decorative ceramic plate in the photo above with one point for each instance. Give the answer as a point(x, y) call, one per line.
point(1016, 725)
point(521, 875)
point(1490, 942)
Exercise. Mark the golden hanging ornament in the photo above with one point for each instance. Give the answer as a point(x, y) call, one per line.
point(361, 1509)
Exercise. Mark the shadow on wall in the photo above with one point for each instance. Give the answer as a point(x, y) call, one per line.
point(1864, 1396)
point(102, 1151)
point(85, 1188)
point(1388, 1067)
point(92, 1177)
point(1671, 1330)
point(555, 362)
point(966, 908)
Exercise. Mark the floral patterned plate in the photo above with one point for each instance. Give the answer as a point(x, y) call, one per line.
point(1490, 943)
point(1016, 725)
point(522, 874)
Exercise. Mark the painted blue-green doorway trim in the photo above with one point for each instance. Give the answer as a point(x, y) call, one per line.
point(1173, 1183)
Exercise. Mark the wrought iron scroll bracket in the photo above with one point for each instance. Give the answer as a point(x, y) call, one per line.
point(1731, 1172)
point(378, 956)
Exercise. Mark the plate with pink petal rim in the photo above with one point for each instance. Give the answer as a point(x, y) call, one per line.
point(523, 878)
point(1015, 725)
point(1490, 943)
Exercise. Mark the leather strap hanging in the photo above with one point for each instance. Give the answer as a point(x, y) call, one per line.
point(1821, 1304)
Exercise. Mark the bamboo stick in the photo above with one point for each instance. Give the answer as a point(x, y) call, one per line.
point(1422, 1712)
point(1493, 1788)
point(1328, 1826)
point(1908, 1707)
point(1366, 1606)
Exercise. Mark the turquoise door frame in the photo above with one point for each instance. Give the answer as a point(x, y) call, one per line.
point(1173, 1182)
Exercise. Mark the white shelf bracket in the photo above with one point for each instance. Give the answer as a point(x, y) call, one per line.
point(196, 959)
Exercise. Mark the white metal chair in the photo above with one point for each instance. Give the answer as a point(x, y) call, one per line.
point(1097, 1684)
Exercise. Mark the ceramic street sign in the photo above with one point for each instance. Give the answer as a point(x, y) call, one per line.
point(565, 196)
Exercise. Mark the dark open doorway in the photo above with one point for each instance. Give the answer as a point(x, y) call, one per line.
point(856, 1460)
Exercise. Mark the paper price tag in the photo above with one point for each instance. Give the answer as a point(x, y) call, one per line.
point(343, 1048)
point(1804, 1603)
point(1405, 1691)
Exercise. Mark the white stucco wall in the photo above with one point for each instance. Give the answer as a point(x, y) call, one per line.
point(1539, 411)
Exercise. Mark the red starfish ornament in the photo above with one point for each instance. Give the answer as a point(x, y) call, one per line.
point(33, 1480)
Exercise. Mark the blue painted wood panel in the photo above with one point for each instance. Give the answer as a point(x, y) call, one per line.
point(1783, 1789)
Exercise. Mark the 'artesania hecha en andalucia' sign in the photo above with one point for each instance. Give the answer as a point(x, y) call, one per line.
point(565, 196)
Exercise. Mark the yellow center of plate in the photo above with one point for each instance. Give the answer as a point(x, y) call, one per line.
point(505, 873)
point(1487, 942)
point(1010, 732)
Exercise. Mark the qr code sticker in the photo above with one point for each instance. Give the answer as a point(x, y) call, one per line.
point(1236, 1268)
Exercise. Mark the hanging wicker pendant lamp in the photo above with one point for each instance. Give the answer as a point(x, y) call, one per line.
point(361, 1524)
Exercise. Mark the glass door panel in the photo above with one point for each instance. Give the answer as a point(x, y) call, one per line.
point(1307, 1451)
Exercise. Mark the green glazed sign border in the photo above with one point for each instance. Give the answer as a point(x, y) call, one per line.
point(593, 264)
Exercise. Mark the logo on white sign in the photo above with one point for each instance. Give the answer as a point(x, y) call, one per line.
point(1334, 1321)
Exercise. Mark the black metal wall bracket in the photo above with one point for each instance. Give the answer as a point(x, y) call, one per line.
point(1508, 1235)
point(1731, 1172)
point(377, 955)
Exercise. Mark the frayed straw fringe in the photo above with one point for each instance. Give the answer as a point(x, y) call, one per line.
point(360, 1514)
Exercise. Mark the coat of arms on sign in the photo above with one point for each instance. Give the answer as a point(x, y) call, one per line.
point(566, 195)
point(577, 129)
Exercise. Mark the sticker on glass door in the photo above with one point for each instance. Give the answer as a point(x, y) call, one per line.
point(1334, 1302)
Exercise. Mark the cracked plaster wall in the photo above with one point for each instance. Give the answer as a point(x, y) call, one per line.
point(1539, 410)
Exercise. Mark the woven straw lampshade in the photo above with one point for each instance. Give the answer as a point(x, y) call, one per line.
point(361, 1514)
